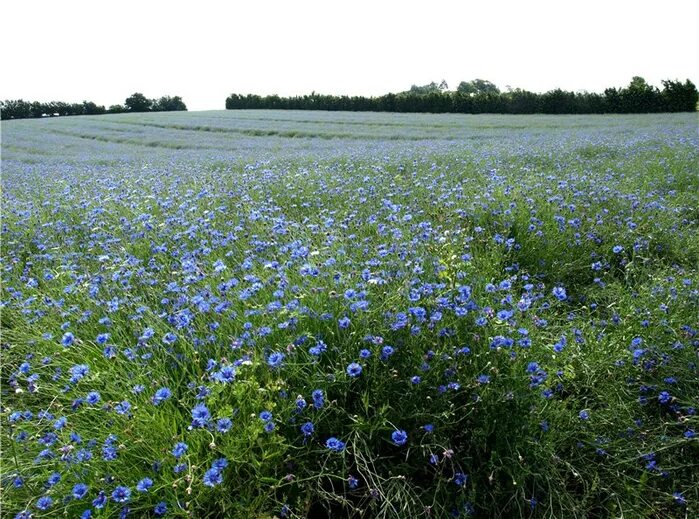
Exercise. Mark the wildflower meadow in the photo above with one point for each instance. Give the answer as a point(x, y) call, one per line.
point(258, 314)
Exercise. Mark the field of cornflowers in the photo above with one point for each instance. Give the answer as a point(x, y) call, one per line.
point(283, 314)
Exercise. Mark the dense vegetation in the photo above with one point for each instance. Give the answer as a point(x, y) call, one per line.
point(276, 314)
point(20, 109)
point(480, 96)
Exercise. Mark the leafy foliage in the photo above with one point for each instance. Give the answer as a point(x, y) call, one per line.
point(481, 96)
point(20, 109)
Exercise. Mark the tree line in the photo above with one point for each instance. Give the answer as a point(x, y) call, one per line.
point(137, 102)
point(482, 96)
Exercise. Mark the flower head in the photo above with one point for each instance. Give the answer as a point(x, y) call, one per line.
point(354, 369)
point(80, 490)
point(161, 395)
point(144, 485)
point(275, 359)
point(334, 444)
point(121, 494)
point(399, 437)
point(179, 449)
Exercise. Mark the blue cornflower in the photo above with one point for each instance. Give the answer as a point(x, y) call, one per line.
point(80, 490)
point(224, 425)
point(664, 397)
point(275, 359)
point(226, 374)
point(559, 346)
point(121, 494)
point(123, 407)
point(161, 395)
point(386, 352)
point(399, 437)
point(679, 499)
point(160, 509)
point(318, 398)
point(144, 484)
point(100, 500)
point(179, 449)
point(53, 479)
point(200, 415)
point(483, 379)
point(307, 429)
point(364, 354)
point(67, 340)
point(334, 444)
point(352, 482)
point(617, 249)
point(44, 502)
point(78, 372)
point(92, 397)
point(354, 369)
point(219, 464)
point(460, 478)
point(319, 348)
point(266, 416)
point(212, 477)
point(219, 266)
point(559, 293)
point(109, 453)
point(584, 415)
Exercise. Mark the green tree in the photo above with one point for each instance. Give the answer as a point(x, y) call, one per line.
point(477, 86)
point(430, 88)
point(640, 97)
point(678, 96)
point(137, 102)
point(169, 104)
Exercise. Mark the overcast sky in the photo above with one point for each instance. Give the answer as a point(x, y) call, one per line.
point(202, 50)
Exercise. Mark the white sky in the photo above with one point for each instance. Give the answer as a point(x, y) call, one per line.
point(103, 50)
